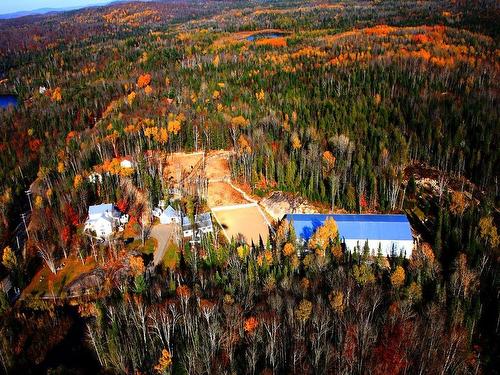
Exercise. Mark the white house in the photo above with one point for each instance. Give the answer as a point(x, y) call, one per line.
point(203, 225)
point(389, 233)
point(102, 220)
point(170, 216)
point(157, 212)
point(127, 162)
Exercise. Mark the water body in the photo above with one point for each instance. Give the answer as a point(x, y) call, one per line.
point(8, 100)
point(264, 35)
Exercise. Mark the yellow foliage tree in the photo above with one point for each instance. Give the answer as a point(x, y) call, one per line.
point(336, 299)
point(260, 95)
point(242, 251)
point(288, 249)
point(244, 144)
point(488, 231)
point(164, 362)
point(163, 136)
point(77, 181)
point(239, 122)
point(398, 277)
point(148, 90)
point(136, 265)
point(174, 126)
point(9, 259)
point(415, 292)
point(324, 236)
point(296, 144)
point(363, 274)
point(60, 167)
point(38, 201)
point(216, 61)
point(329, 162)
point(131, 98)
point(303, 311)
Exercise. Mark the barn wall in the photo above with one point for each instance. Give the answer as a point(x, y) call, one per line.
point(404, 246)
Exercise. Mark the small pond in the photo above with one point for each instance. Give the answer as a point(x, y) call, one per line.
point(265, 35)
point(8, 100)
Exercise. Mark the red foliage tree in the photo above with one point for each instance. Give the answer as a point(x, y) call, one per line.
point(122, 205)
point(389, 357)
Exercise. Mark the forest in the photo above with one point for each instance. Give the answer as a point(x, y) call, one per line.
point(353, 107)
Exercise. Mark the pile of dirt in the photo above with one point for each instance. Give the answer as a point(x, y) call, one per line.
point(278, 204)
point(432, 177)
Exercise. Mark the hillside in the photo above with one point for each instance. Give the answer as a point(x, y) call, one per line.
point(247, 111)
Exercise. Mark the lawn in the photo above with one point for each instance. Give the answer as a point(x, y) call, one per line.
point(171, 257)
point(149, 246)
point(45, 283)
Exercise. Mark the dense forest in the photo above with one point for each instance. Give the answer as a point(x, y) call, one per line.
point(356, 106)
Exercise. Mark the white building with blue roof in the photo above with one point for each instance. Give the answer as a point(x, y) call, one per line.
point(102, 219)
point(391, 233)
point(170, 216)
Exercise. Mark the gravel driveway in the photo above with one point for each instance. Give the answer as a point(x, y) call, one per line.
point(163, 233)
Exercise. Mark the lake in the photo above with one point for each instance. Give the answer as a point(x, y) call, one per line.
point(264, 35)
point(8, 100)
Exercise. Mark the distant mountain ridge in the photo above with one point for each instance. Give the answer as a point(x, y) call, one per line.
point(42, 11)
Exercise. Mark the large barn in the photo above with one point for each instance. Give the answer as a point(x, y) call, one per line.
point(392, 233)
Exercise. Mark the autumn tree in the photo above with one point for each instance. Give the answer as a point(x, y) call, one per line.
point(9, 259)
point(325, 237)
point(398, 277)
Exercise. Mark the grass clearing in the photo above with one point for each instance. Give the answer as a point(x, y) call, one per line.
point(171, 257)
point(45, 283)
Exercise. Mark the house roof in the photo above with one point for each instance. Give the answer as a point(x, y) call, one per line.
point(202, 220)
point(170, 212)
point(357, 227)
point(100, 208)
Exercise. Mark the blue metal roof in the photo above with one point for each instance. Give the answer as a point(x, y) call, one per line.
point(357, 227)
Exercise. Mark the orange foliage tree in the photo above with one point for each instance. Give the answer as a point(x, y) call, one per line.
point(143, 80)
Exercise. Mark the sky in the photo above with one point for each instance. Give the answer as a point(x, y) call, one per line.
point(11, 6)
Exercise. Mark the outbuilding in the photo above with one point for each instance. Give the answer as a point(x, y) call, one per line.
point(391, 234)
point(203, 225)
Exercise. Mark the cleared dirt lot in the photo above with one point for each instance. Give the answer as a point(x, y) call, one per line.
point(180, 164)
point(243, 220)
point(223, 194)
point(217, 165)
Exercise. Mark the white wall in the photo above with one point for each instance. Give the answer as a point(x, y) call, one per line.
point(405, 246)
point(169, 220)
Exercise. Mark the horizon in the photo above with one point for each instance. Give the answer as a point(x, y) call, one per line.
point(33, 5)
